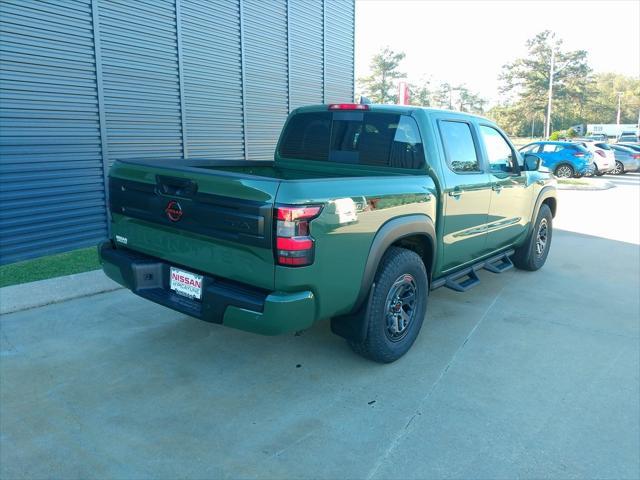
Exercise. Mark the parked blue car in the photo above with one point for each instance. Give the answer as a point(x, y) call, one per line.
point(564, 159)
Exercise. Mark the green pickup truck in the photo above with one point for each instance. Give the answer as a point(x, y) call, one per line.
point(364, 210)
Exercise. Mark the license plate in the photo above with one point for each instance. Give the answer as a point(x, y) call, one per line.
point(186, 283)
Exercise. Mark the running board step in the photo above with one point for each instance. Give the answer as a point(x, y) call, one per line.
point(499, 265)
point(463, 281)
point(466, 279)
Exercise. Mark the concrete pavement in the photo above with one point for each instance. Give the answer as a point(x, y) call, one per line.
point(53, 290)
point(527, 375)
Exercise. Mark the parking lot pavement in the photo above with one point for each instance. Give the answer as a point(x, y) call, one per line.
point(528, 375)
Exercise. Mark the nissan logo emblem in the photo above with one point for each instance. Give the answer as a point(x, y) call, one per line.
point(173, 211)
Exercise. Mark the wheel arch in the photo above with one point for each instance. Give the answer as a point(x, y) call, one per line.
point(547, 196)
point(415, 232)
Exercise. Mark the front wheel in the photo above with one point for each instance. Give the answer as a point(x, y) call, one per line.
point(397, 307)
point(564, 171)
point(532, 255)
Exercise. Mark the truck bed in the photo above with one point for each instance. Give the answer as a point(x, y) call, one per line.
point(263, 169)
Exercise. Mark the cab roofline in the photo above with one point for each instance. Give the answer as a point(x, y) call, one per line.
point(391, 108)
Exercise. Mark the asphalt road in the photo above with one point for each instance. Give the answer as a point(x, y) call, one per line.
point(528, 375)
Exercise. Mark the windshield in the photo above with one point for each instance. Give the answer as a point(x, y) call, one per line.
point(354, 137)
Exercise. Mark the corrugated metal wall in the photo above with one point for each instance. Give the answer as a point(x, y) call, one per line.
point(51, 180)
point(83, 82)
point(306, 64)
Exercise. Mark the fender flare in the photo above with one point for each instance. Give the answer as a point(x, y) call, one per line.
point(547, 192)
point(351, 326)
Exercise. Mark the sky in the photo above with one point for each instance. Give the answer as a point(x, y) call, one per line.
point(468, 41)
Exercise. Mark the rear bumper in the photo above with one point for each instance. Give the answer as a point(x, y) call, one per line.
point(229, 303)
point(631, 165)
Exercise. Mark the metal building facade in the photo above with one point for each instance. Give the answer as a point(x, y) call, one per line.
point(84, 82)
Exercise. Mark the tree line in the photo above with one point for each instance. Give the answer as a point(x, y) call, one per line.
point(580, 96)
point(381, 86)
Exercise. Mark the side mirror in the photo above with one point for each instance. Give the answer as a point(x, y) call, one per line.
point(532, 162)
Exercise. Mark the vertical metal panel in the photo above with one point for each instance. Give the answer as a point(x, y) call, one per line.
point(183, 112)
point(141, 80)
point(265, 57)
point(305, 62)
point(51, 186)
point(212, 78)
point(95, 19)
point(339, 53)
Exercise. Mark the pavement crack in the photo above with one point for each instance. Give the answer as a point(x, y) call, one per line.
point(403, 432)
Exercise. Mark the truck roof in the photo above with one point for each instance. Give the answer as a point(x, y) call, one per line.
point(399, 109)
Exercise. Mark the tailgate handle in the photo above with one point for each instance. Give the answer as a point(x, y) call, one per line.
point(174, 186)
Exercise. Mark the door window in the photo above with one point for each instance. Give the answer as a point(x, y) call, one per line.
point(459, 147)
point(549, 148)
point(499, 152)
point(530, 148)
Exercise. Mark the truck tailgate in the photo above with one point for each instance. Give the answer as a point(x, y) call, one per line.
point(203, 220)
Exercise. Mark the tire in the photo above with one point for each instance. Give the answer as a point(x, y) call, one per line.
point(619, 170)
point(400, 273)
point(564, 171)
point(528, 256)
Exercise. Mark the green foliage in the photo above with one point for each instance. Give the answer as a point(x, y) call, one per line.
point(381, 85)
point(420, 93)
point(578, 95)
point(51, 266)
point(571, 133)
point(602, 106)
point(555, 136)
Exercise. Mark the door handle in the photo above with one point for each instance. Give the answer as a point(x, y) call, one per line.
point(496, 187)
point(455, 193)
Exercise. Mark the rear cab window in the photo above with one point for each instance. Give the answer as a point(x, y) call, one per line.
point(354, 137)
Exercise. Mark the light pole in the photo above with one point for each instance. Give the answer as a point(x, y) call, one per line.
point(619, 107)
point(547, 130)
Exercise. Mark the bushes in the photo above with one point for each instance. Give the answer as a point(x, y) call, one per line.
point(560, 134)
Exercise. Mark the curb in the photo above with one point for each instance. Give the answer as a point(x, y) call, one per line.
point(590, 186)
point(16, 298)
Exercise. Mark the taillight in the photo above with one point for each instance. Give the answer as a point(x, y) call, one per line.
point(348, 106)
point(578, 154)
point(294, 244)
point(601, 153)
point(636, 156)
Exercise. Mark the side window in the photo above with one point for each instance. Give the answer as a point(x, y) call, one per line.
point(530, 149)
point(499, 153)
point(459, 147)
point(549, 148)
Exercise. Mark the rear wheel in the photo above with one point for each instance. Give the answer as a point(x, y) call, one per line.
point(564, 171)
point(532, 255)
point(619, 170)
point(397, 307)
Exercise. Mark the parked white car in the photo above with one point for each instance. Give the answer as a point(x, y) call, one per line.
point(604, 157)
